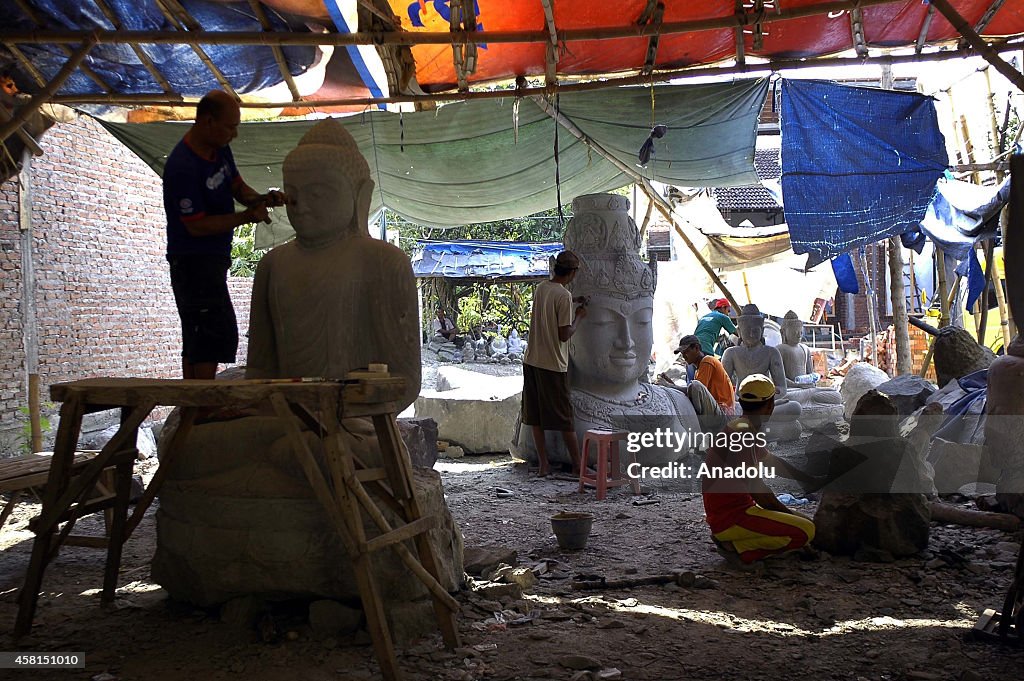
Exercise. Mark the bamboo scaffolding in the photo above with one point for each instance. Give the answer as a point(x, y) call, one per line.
point(139, 52)
point(410, 38)
point(172, 10)
point(750, 69)
point(282, 63)
point(976, 41)
point(30, 12)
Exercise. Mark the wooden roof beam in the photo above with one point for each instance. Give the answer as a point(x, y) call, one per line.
point(22, 114)
point(429, 37)
point(653, 19)
point(551, 49)
point(172, 11)
point(976, 41)
point(857, 29)
point(657, 77)
point(139, 52)
point(987, 17)
point(926, 24)
point(86, 71)
point(282, 63)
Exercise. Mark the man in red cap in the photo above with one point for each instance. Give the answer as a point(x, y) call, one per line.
point(710, 325)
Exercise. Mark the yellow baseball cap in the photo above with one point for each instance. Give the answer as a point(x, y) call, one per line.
point(756, 388)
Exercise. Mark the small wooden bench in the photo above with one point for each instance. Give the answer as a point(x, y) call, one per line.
point(21, 473)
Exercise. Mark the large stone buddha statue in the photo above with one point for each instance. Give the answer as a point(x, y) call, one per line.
point(611, 349)
point(334, 299)
point(817, 404)
point(754, 356)
point(237, 516)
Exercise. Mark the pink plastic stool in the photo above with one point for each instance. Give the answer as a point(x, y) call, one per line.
point(607, 468)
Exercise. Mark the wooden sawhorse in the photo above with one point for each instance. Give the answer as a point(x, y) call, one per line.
point(343, 491)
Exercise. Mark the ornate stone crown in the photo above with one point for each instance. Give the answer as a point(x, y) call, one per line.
point(607, 242)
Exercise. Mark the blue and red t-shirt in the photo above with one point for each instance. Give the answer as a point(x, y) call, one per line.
point(195, 187)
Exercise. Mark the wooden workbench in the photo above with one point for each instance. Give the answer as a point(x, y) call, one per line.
point(343, 491)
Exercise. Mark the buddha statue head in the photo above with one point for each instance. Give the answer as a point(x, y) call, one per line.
point(613, 345)
point(328, 184)
point(792, 329)
point(750, 324)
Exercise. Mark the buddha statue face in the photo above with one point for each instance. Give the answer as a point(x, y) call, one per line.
point(328, 185)
point(792, 329)
point(616, 345)
point(751, 329)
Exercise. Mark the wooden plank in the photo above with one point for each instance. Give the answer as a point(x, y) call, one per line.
point(115, 545)
point(407, 531)
point(370, 474)
point(33, 470)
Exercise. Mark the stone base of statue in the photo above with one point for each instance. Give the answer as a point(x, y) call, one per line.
point(784, 424)
point(656, 409)
point(817, 405)
point(237, 517)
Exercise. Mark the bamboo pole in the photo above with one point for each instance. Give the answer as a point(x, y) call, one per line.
point(1005, 322)
point(411, 38)
point(34, 413)
point(751, 69)
point(976, 41)
point(897, 294)
point(872, 308)
point(940, 266)
point(663, 207)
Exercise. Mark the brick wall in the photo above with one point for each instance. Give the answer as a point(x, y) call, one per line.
point(877, 267)
point(103, 299)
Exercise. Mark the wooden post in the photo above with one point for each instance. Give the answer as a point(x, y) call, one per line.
point(989, 247)
point(28, 300)
point(1004, 316)
point(904, 361)
point(872, 307)
point(940, 265)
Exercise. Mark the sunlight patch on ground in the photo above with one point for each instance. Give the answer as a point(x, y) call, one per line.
point(476, 466)
point(726, 620)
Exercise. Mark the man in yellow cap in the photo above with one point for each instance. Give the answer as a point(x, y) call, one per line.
point(745, 516)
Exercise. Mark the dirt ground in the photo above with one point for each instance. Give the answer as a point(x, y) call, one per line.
point(827, 618)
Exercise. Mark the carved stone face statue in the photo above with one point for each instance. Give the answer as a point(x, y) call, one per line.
point(792, 329)
point(750, 324)
point(618, 340)
point(612, 346)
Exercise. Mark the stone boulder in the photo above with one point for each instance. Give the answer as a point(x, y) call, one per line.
point(908, 393)
point(874, 500)
point(478, 414)
point(420, 438)
point(958, 354)
point(861, 378)
point(145, 442)
point(957, 464)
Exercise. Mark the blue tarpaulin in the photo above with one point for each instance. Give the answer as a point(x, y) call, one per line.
point(483, 259)
point(858, 164)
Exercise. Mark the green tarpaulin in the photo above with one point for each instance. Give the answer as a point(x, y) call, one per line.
point(478, 161)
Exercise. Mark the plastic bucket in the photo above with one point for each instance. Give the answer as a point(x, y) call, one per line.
point(572, 529)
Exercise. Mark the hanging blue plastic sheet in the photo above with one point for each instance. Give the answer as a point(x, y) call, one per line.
point(246, 67)
point(858, 164)
point(846, 275)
